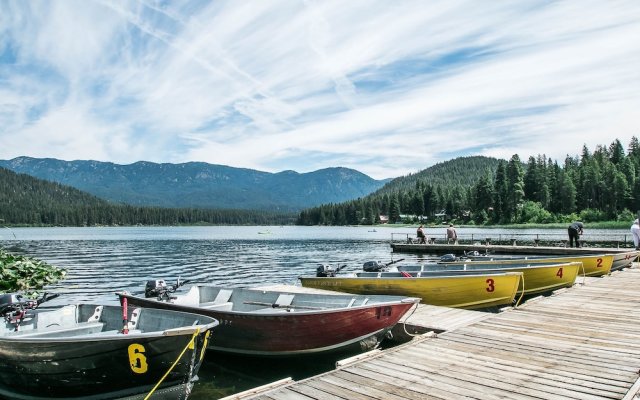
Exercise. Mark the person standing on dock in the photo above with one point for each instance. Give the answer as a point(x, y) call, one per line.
point(575, 230)
point(421, 237)
point(635, 231)
point(452, 235)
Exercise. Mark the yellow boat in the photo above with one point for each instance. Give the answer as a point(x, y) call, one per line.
point(536, 278)
point(594, 265)
point(477, 290)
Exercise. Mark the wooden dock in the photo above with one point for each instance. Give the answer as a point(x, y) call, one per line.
point(579, 343)
point(459, 249)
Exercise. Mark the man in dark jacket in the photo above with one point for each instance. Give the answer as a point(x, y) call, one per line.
point(575, 230)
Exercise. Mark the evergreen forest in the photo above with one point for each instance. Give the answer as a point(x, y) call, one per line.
point(603, 185)
point(25, 200)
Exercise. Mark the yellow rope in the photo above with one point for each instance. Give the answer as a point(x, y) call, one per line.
point(197, 331)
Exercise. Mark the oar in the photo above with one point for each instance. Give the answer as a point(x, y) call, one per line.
point(276, 305)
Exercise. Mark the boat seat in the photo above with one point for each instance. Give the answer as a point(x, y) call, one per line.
point(56, 319)
point(83, 328)
point(223, 296)
point(221, 302)
point(368, 274)
point(191, 298)
point(284, 299)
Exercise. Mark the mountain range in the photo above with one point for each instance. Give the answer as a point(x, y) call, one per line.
point(199, 184)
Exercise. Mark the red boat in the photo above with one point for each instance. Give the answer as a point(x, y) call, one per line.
point(273, 323)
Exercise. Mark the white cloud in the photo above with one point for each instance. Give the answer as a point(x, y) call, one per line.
point(385, 88)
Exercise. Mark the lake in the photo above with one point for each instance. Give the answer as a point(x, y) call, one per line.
point(103, 260)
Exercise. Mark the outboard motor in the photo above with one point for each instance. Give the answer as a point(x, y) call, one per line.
point(14, 306)
point(373, 266)
point(325, 270)
point(155, 288)
point(448, 258)
point(10, 301)
point(160, 290)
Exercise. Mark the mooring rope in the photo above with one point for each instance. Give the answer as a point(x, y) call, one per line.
point(404, 323)
point(521, 294)
point(584, 275)
point(193, 337)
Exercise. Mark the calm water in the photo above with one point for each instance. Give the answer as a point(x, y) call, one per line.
point(101, 261)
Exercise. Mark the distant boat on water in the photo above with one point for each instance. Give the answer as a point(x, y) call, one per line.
point(267, 232)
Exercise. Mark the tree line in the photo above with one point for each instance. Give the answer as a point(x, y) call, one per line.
point(602, 185)
point(25, 200)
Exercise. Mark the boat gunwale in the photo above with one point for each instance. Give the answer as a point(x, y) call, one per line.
point(282, 311)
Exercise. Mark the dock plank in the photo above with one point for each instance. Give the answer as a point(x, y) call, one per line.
point(396, 385)
point(571, 358)
point(530, 373)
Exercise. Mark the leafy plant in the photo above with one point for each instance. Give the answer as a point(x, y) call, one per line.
point(25, 273)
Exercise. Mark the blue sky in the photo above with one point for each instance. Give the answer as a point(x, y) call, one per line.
point(387, 88)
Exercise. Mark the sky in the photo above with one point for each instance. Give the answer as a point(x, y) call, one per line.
point(386, 88)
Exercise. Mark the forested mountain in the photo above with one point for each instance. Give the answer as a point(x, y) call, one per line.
point(200, 185)
point(603, 185)
point(461, 171)
point(25, 200)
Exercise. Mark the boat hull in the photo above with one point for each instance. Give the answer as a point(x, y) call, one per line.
point(279, 332)
point(592, 265)
point(535, 278)
point(92, 366)
point(474, 291)
point(623, 259)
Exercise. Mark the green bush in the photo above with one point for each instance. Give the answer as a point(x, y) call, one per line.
point(533, 212)
point(593, 215)
point(25, 273)
point(626, 216)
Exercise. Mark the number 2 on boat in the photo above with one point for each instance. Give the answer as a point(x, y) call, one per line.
point(599, 263)
point(137, 359)
point(491, 285)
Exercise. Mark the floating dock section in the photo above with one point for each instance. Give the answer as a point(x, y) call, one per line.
point(579, 343)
